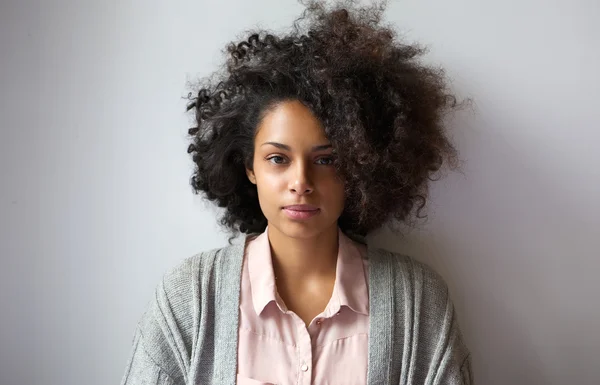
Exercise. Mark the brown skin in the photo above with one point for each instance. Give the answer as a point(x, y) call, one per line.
point(304, 252)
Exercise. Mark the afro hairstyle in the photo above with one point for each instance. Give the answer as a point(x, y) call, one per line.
point(381, 108)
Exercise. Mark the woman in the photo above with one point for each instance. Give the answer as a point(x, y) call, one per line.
point(309, 142)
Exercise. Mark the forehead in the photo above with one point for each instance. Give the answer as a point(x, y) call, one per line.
point(291, 123)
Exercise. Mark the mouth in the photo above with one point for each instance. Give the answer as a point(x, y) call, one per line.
point(301, 211)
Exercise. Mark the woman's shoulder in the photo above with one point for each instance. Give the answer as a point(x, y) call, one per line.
point(197, 266)
point(181, 293)
point(420, 296)
point(183, 283)
point(409, 275)
point(168, 327)
point(180, 284)
point(417, 300)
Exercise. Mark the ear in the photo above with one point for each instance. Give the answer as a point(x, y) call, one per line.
point(251, 175)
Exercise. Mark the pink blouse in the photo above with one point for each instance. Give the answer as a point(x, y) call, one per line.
point(276, 347)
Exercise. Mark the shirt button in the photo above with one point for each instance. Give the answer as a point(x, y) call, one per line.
point(319, 322)
point(304, 367)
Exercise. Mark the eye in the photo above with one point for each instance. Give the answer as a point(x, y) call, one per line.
point(329, 160)
point(276, 159)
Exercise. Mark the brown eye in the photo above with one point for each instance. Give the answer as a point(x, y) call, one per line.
point(277, 159)
point(328, 161)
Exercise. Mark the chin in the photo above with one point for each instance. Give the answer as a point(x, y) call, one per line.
point(301, 229)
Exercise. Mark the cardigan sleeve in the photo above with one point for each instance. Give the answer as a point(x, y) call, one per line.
point(450, 358)
point(163, 338)
point(141, 368)
point(466, 371)
point(426, 336)
point(457, 368)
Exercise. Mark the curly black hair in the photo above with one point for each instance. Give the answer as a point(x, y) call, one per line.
point(381, 108)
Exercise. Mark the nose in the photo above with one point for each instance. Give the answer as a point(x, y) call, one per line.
point(300, 181)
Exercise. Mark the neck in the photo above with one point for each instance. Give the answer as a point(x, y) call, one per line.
point(300, 258)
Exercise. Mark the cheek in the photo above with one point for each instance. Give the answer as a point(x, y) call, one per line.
point(269, 181)
point(269, 185)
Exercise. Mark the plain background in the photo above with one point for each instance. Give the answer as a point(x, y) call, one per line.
point(95, 203)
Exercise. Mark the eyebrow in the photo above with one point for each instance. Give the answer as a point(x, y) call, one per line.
point(288, 148)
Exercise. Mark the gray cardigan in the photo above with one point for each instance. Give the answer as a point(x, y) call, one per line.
point(188, 333)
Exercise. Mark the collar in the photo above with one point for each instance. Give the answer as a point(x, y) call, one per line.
point(350, 287)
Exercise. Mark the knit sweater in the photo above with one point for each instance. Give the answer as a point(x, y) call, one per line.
point(188, 333)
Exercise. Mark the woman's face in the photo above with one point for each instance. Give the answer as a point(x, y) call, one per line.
point(293, 165)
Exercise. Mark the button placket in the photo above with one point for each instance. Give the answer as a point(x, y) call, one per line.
point(304, 349)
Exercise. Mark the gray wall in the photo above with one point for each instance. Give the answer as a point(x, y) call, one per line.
point(95, 203)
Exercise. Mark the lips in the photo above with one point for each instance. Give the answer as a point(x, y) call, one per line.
point(301, 212)
point(304, 207)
